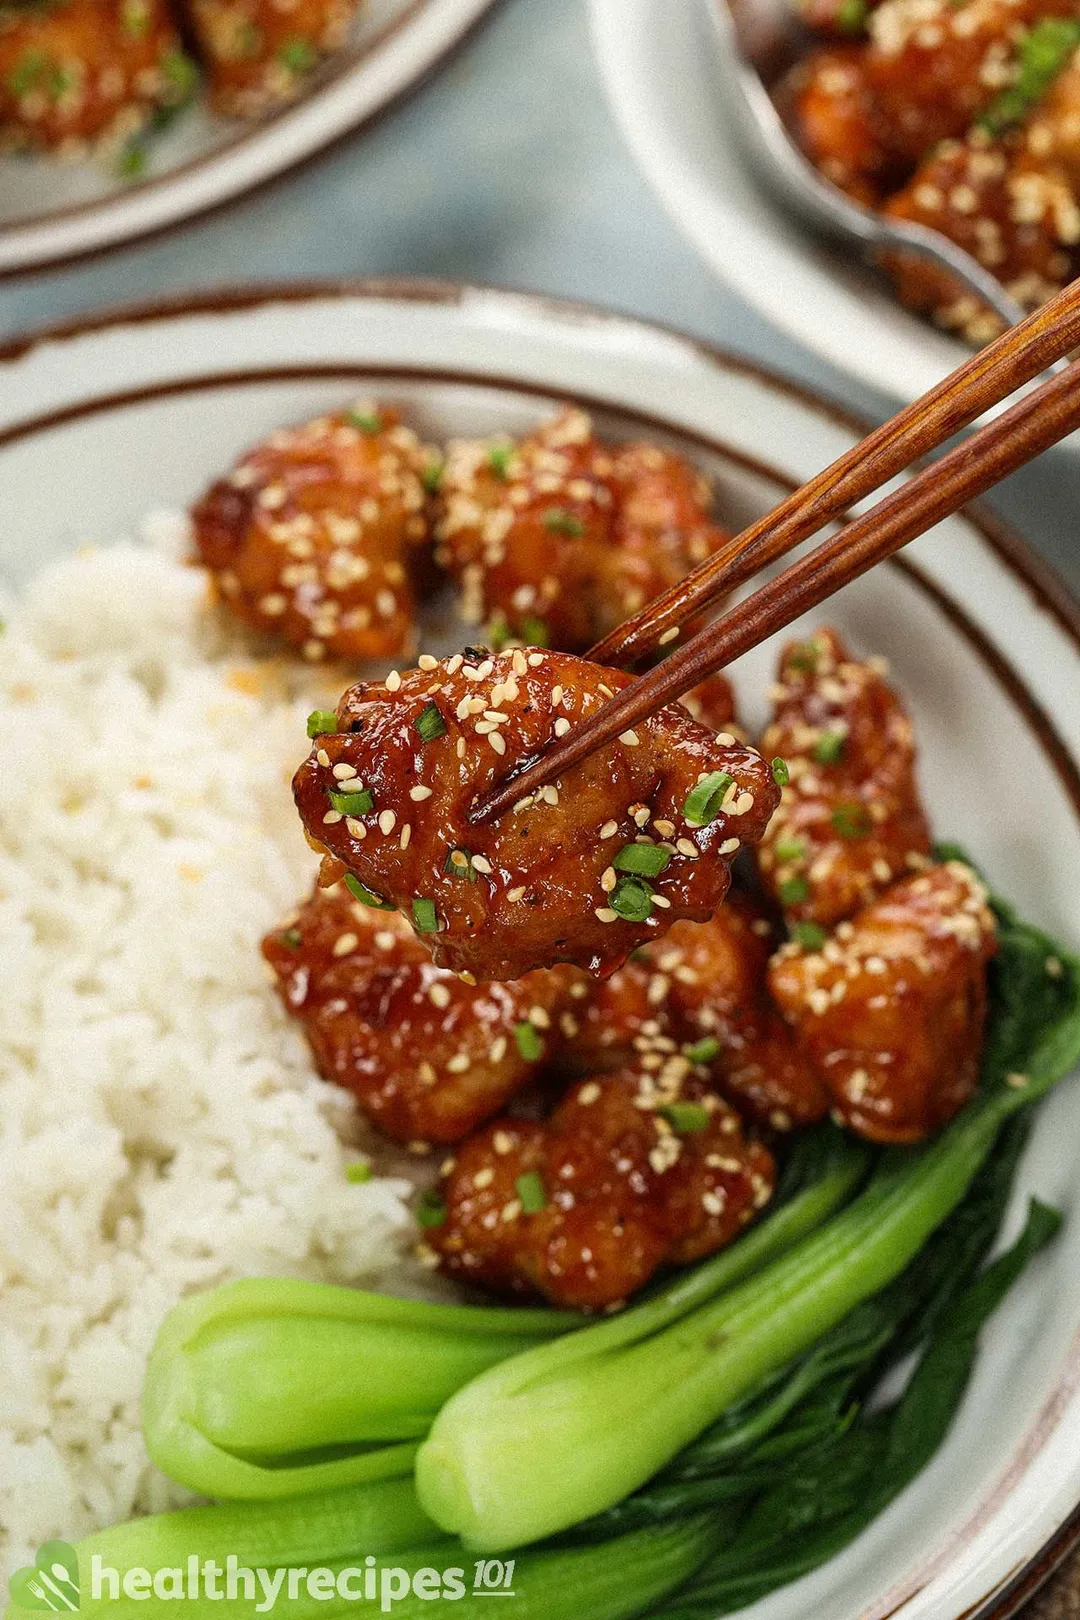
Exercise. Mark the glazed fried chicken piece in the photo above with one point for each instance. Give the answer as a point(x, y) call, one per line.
point(713, 704)
point(259, 52)
point(718, 1002)
point(637, 836)
point(582, 1209)
point(78, 73)
point(317, 534)
point(556, 538)
point(1012, 211)
point(850, 817)
point(428, 1057)
point(832, 111)
point(699, 998)
point(892, 1008)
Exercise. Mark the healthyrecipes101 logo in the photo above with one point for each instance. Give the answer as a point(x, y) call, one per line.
point(53, 1582)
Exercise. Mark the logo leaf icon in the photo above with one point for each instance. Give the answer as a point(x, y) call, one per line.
point(51, 1583)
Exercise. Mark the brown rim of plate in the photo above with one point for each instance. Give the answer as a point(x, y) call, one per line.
point(336, 67)
point(1046, 588)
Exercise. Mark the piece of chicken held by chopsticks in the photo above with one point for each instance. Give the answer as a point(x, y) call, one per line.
point(640, 834)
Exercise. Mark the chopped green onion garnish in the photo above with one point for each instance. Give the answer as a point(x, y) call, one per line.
point(292, 937)
point(1042, 52)
point(702, 1051)
point(851, 16)
point(425, 917)
point(499, 458)
point(529, 1043)
point(458, 863)
point(298, 55)
point(369, 421)
point(632, 898)
point(351, 804)
point(430, 1209)
point(810, 935)
point(531, 1191)
point(321, 723)
point(805, 657)
point(686, 1118)
point(851, 820)
point(535, 632)
point(703, 802)
point(182, 76)
point(358, 1172)
point(559, 522)
point(794, 891)
point(780, 773)
point(647, 859)
point(365, 896)
point(829, 748)
point(430, 723)
point(131, 161)
point(431, 477)
point(790, 849)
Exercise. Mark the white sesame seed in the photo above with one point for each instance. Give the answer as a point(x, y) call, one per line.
point(520, 666)
point(406, 834)
point(630, 738)
point(454, 664)
point(556, 696)
point(420, 792)
point(461, 748)
point(384, 940)
point(514, 895)
point(662, 901)
point(345, 943)
point(387, 821)
point(668, 635)
point(458, 1063)
point(589, 1093)
point(608, 879)
point(605, 914)
point(425, 661)
point(393, 681)
point(729, 846)
point(687, 847)
point(324, 760)
point(483, 1178)
point(331, 817)
point(562, 726)
point(511, 1210)
point(725, 739)
point(343, 771)
point(609, 829)
point(481, 863)
point(496, 1053)
point(502, 1141)
point(497, 742)
point(535, 660)
point(354, 828)
point(439, 994)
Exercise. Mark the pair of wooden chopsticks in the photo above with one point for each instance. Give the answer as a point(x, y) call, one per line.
point(1037, 421)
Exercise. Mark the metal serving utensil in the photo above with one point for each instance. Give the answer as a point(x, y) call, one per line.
point(759, 39)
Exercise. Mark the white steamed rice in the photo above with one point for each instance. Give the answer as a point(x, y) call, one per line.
point(161, 1126)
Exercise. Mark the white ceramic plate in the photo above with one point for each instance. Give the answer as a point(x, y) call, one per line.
point(50, 212)
point(106, 419)
point(658, 59)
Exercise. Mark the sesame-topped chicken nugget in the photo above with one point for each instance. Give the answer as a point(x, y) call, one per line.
point(428, 1057)
point(76, 73)
point(258, 52)
point(318, 533)
point(699, 998)
point(712, 702)
point(1013, 212)
point(582, 1209)
point(892, 1008)
point(583, 871)
point(557, 538)
point(850, 819)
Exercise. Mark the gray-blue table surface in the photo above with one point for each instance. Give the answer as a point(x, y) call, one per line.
point(505, 168)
